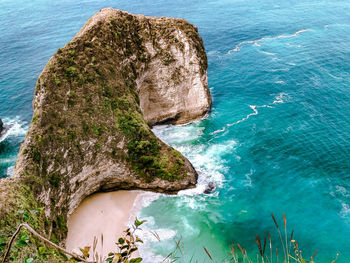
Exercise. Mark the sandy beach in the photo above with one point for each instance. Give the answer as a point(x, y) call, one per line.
point(101, 213)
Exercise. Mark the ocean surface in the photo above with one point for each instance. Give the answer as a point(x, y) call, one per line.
point(276, 141)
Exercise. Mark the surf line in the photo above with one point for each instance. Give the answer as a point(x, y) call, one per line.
point(256, 42)
point(278, 100)
point(255, 112)
point(13, 127)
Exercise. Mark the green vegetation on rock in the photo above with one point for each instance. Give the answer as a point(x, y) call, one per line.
point(88, 132)
point(22, 207)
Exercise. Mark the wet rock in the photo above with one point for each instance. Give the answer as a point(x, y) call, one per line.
point(210, 188)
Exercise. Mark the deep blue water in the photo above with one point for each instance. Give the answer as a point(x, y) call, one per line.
point(277, 139)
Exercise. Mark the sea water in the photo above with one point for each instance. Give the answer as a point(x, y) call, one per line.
point(276, 141)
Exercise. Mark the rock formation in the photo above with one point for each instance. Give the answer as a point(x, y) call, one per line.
point(1, 126)
point(93, 107)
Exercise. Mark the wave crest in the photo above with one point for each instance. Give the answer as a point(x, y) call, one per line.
point(13, 128)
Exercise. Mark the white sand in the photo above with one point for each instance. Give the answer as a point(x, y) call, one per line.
point(101, 213)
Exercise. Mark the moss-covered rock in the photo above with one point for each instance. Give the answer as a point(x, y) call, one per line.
point(93, 107)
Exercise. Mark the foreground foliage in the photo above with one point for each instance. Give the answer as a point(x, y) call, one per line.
point(127, 246)
point(292, 253)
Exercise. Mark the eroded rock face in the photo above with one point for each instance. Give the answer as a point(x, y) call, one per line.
point(179, 92)
point(94, 104)
point(173, 87)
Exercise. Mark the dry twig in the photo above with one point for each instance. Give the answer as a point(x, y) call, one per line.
point(36, 234)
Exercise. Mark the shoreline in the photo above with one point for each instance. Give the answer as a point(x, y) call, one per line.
point(107, 214)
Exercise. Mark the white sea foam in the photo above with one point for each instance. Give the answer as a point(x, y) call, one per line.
point(10, 171)
point(249, 179)
point(257, 42)
point(280, 98)
point(184, 134)
point(326, 27)
point(151, 235)
point(209, 163)
point(268, 53)
point(255, 112)
point(207, 160)
point(143, 199)
point(9, 160)
point(345, 211)
point(13, 128)
point(292, 45)
point(219, 131)
point(280, 82)
point(278, 69)
point(342, 190)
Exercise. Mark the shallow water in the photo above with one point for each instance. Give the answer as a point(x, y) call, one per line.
point(277, 139)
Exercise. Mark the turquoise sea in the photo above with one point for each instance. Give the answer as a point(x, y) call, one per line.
point(276, 141)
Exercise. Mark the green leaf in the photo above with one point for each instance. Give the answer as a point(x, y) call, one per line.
point(28, 260)
point(125, 247)
point(136, 260)
point(25, 217)
point(117, 258)
point(121, 240)
point(138, 240)
point(139, 223)
point(133, 249)
point(85, 251)
point(42, 250)
point(23, 240)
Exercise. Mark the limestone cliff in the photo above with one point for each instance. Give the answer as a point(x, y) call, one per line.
point(93, 107)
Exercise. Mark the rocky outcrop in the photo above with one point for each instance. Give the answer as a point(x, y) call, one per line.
point(1, 126)
point(93, 107)
point(174, 87)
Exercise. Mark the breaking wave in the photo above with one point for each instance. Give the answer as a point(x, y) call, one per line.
point(13, 128)
point(206, 158)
